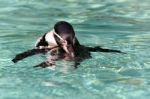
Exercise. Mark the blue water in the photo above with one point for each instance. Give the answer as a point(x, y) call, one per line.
point(116, 24)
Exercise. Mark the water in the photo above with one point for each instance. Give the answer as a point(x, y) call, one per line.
point(117, 24)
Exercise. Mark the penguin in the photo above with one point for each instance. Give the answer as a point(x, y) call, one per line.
point(63, 44)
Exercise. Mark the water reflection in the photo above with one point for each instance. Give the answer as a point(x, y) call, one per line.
point(114, 24)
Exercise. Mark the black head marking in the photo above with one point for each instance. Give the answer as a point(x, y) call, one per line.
point(65, 30)
point(42, 42)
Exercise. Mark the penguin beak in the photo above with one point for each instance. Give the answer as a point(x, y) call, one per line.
point(66, 49)
point(69, 50)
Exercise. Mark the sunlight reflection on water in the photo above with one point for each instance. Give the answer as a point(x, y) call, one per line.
point(115, 24)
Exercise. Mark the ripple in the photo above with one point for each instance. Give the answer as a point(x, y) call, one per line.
point(114, 24)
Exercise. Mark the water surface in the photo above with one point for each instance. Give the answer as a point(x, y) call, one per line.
point(117, 24)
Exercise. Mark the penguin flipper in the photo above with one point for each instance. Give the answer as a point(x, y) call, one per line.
point(30, 52)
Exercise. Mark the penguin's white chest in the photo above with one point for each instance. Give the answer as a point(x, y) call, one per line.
point(49, 37)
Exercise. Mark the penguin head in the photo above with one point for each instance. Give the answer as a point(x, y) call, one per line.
point(65, 37)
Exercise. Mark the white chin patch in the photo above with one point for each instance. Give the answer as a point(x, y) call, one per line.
point(49, 37)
